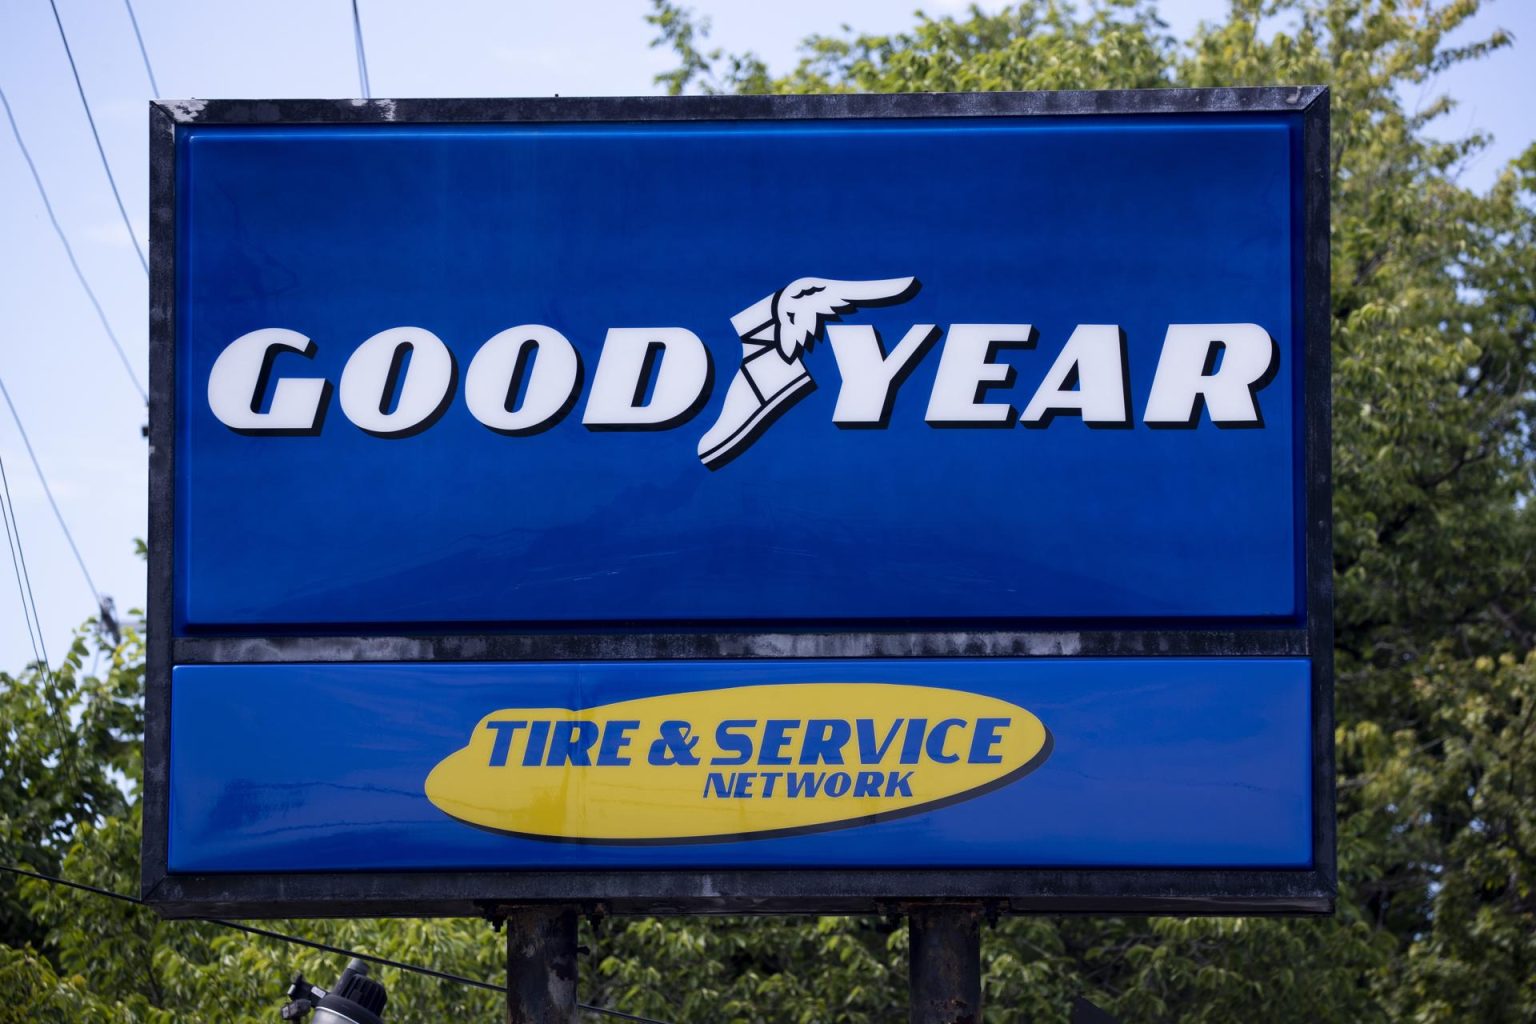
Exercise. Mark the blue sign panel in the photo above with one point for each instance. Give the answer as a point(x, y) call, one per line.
point(1173, 762)
point(738, 371)
point(755, 504)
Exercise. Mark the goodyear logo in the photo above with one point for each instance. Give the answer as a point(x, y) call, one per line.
point(737, 763)
point(525, 379)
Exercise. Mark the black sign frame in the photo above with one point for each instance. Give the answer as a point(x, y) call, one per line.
point(482, 893)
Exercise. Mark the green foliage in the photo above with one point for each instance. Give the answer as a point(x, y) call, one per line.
point(753, 971)
point(1434, 343)
point(71, 737)
point(1117, 44)
point(714, 72)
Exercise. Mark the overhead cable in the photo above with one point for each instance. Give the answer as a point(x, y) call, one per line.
point(362, 55)
point(24, 578)
point(69, 250)
point(27, 442)
point(18, 564)
point(311, 944)
point(29, 604)
point(153, 87)
point(79, 87)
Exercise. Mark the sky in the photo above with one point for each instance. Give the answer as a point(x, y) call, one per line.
point(73, 395)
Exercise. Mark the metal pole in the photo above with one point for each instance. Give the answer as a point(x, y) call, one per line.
point(541, 965)
point(945, 941)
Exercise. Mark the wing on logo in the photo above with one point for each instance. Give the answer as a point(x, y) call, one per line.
point(775, 333)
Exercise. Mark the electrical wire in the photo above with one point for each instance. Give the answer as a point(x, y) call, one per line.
point(362, 55)
point(25, 440)
point(69, 250)
point(8, 514)
point(29, 598)
point(620, 1014)
point(29, 604)
point(79, 87)
point(142, 52)
point(310, 943)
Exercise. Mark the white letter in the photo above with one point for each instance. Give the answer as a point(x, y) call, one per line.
point(1185, 375)
point(966, 371)
point(533, 352)
point(239, 376)
point(631, 357)
point(369, 380)
point(870, 378)
point(1093, 361)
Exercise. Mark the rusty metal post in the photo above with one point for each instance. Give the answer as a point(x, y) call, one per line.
point(541, 965)
point(945, 941)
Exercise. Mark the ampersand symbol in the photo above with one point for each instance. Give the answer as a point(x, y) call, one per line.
point(676, 744)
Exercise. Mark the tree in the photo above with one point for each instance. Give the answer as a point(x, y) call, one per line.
point(1434, 336)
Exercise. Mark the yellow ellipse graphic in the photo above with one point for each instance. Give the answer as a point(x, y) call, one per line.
point(737, 763)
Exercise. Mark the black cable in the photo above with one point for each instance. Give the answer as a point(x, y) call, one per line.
point(69, 250)
point(142, 52)
point(620, 1014)
point(25, 577)
point(295, 940)
point(7, 513)
point(381, 960)
point(79, 559)
point(362, 55)
point(29, 600)
point(97, 136)
point(263, 932)
point(66, 882)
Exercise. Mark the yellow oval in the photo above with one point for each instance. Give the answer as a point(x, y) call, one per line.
point(736, 763)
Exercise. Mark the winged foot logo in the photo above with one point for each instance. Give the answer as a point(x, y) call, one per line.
point(526, 379)
point(775, 333)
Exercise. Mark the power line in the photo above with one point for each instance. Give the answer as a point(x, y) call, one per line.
point(263, 932)
point(620, 1014)
point(25, 440)
point(362, 56)
point(25, 578)
point(97, 136)
point(69, 250)
point(29, 603)
point(12, 542)
point(310, 943)
point(142, 52)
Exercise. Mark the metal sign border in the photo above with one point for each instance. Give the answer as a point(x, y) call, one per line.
point(688, 891)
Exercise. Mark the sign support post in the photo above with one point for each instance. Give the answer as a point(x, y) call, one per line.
point(541, 965)
point(945, 963)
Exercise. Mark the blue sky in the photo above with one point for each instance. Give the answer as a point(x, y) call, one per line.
point(72, 393)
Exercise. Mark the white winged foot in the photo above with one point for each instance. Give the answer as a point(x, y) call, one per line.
point(765, 387)
point(775, 333)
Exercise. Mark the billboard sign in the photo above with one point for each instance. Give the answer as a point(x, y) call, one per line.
point(756, 503)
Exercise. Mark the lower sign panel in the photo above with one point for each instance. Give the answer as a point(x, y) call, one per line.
point(998, 763)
